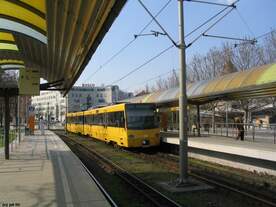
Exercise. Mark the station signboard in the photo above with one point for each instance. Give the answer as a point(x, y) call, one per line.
point(29, 81)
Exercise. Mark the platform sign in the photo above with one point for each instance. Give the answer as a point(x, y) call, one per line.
point(29, 81)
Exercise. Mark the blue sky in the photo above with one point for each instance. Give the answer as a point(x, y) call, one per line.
point(259, 15)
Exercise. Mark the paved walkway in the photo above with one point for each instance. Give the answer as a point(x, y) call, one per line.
point(232, 146)
point(248, 155)
point(43, 171)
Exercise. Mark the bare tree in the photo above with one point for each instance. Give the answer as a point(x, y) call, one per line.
point(270, 47)
point(173, 80)
point(246, 56)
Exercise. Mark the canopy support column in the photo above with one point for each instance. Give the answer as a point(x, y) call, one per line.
point(198, 119)
point(7, 126)
point(226, 117)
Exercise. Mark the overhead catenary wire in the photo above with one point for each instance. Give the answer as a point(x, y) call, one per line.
point(210, 27)
point(171, 46)
point(245, 23)
point(208, 2)
point(144, 28)
point(128, 43)
point(255, 39)
point(142, 65)
point(207, 21)
point(265, 34)
point(155, 20)
point(153, 78)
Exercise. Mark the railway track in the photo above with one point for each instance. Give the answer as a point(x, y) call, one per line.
point(154, 196)
point(270, 201)
point(234, 189)
point(157, 198)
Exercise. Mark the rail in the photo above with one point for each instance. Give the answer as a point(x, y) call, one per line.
point(157, 198)
point(212, 180)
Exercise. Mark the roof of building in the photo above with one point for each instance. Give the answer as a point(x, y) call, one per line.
point(57, 38)
point(256, 82)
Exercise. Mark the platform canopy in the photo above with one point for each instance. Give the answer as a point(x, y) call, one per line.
point(55, 37)
point(253, 83)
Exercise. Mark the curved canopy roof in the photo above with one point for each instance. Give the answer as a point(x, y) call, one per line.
point(254, 83)
point(58, 38)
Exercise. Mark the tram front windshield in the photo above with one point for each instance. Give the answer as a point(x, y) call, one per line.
point(141, 117)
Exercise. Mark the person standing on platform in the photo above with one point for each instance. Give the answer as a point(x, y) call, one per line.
point(41, 126)
point(240, 128)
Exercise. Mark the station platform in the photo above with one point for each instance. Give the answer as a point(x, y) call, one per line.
point(253, 156)
point(43, 171)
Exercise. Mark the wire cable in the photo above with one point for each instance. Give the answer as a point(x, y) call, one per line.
point(155, 20)
point(129, 43)
point(210, 27)
point(206, 22)
point(153, 78)
point(265, 34)
point(207, 2)
point(167, 49)
point(245, 23)
point(142, 65)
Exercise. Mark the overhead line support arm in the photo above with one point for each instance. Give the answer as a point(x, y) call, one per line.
point(155, 20)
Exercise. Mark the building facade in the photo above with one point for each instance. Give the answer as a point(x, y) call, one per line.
point(52, 105)
point(88, 95)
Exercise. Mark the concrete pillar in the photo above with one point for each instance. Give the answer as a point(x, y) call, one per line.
point(183, 102)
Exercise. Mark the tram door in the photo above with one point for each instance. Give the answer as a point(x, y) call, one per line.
point(104, 128)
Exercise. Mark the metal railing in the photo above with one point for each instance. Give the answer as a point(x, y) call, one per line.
point(15, 134)
point(252, 132)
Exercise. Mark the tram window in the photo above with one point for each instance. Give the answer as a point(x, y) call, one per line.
point(92, 119)
point(116, 119)
point(87, 119)
point(111, 119)
point(120, 119)
point(95, 120)
point(98, 119)
point(101, 119)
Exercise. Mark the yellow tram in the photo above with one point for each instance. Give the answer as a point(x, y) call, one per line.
point(126, 125)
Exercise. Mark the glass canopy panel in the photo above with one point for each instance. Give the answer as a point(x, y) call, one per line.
point(21, 28)
point(6, 36)
point(5, 67)
point(13, 10)
point(37, 4)
point(269, 75)
point(8, 46)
